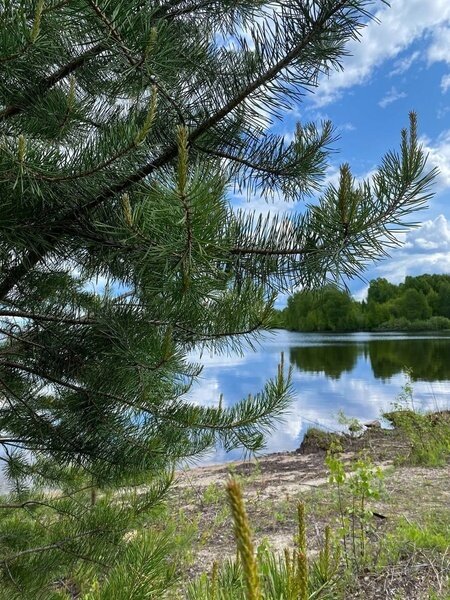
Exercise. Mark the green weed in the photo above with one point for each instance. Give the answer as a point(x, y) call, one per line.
point(428, 433)
point(355, 488)
point(433, 533)
point(213, 494)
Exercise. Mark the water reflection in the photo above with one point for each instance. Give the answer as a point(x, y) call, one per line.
point(360, 374)
point(428, 358)
point(332, 360)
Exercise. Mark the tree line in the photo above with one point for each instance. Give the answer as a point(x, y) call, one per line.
point(419, 303)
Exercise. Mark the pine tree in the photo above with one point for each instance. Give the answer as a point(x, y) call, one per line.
point(123, 126)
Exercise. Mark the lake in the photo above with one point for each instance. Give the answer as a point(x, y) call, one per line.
point(360, 374)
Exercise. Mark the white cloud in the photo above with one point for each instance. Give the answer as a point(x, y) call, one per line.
point(442, 112)
point(432, 235)
point(262, 206)
point(426, 250)
point(206, 393)
point(361, 294)
point(346, 127)
point(439, 49)
point(404, 64)
point(445, 83)
point(400, 266)
point(400, 25)
point(392, 96)
point(439, 156)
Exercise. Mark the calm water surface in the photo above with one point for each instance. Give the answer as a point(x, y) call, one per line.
point(359, 373)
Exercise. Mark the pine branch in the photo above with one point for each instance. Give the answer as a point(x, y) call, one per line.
point(28, 503)
point(59, 545)
point(40, 421)
point(50, 318)
point(299, 251)
point(242, 161)
point(137, 64)
point(32, 258)
point(46, 84)
point(71, 67)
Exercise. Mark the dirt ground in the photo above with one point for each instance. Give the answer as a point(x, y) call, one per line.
point(274, 484)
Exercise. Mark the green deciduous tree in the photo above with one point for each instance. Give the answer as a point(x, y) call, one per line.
point(413, 305)
point(409, 305)
point(331, 309)
point(122, 127)
point(381, 290)
point(443, 301)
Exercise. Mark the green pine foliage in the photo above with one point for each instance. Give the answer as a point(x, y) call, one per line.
point(61, 545)
point(419, 303)
point(120, 250)
point(123, 126)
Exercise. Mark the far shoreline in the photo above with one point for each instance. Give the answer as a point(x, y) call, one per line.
point(381, 331)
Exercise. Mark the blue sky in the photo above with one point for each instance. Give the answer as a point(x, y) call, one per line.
point(402, 63)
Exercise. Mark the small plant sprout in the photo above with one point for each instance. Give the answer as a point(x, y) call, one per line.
point(355, 488)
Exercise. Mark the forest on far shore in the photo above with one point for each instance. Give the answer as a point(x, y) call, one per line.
point(418, 304)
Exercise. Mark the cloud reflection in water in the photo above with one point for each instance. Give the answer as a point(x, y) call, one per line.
point(360, 374)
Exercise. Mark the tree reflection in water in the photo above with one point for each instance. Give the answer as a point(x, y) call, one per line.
point(331, 359)
point(429, 358)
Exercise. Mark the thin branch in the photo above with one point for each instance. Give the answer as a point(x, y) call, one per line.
point(50, 318)
point(56, 6)
point(242, 161)
point(237, 250)
point(138, 64)
point(38, 419)
point(55, 546)
point(55, 380)
point(106, 163)
point(46, 84)
point(21, 340)
point(189, 9)
point(41, 503)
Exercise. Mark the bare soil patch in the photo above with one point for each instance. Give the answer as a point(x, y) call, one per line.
point(274, 484)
